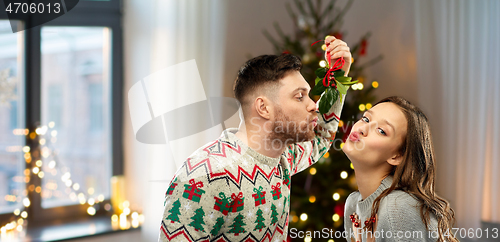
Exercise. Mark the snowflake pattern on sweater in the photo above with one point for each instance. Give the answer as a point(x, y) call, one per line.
point(226, 191)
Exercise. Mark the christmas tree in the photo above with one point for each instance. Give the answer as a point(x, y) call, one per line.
point(218, 225)
point(328, 183)
point(259, 221)
point(198, 220)
point(174, 212)
point(284, 206)
point(274, 214)
point(237, 226)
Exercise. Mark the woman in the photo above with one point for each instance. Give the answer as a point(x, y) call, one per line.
point(391, 151)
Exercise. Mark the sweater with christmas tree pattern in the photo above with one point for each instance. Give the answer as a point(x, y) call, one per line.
point(226, 191)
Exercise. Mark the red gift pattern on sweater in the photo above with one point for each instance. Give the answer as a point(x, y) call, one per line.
point(193, 191)
point(276, 191)
point(238, 202)
point(260, 196)
point(222, 203)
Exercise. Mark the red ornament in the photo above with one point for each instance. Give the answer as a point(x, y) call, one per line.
point(331, 79)
point(339, 209)
point(356, 225)
point(366, 223)
point(364, 43)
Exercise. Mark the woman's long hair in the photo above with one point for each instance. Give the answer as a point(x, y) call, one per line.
point(416, 173)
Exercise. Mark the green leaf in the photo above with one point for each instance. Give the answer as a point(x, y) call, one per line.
point(335, 96)
point(327, 100)
point(318, 89)
point(317, 80)
point(338, 73)
point(349, 83)
point(320, 72)
point(341, 88)
point(343, 79)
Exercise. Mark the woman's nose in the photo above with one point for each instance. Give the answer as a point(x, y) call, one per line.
point(363, 129)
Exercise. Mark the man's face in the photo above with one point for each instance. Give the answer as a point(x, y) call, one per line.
point(295, 113)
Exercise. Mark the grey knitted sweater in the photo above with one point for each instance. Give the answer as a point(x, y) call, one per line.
point(398, 218)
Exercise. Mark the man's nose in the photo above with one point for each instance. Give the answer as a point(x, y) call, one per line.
point(311, 107)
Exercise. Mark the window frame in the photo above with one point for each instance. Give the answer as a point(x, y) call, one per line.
point(85, 13)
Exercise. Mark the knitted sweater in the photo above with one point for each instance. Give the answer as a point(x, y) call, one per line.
point(398, 217)
point(226, 191)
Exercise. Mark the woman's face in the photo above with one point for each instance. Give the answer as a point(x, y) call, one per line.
point(377, 137)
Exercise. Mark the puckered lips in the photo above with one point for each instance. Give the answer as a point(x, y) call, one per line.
point(314, 121)
point(354, 136)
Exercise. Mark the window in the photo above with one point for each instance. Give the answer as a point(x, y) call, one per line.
point(96, 107)
point(64, 76)
point(12, 123)
point(54, 105)
point(74, 76)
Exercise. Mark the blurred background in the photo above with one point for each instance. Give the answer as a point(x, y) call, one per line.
point(72, 168)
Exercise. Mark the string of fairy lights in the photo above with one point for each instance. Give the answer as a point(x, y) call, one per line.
point(42, 160)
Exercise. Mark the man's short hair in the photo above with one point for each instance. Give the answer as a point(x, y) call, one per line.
point(262, 74)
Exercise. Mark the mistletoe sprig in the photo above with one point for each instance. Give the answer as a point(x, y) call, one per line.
point(334, 83)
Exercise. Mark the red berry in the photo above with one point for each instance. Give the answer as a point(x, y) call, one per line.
point(356, 225)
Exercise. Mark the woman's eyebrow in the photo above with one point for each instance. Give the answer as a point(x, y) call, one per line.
point(384, 120)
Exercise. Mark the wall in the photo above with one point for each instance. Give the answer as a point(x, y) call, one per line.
point(391, 23)
point(244, 39)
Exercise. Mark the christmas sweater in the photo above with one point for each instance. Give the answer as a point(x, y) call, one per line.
point(226, 191)
point(398, 218)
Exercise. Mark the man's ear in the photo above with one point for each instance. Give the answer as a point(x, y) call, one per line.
point(395, 160)
point(262, 106)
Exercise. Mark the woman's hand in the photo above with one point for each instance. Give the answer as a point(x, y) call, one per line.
point(338, 48)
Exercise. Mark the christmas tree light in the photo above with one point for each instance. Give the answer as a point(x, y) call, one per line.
point(40, 148)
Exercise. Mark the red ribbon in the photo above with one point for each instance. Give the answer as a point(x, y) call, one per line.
point(240, 195)
point(278, 185)
point(195, 184)
point(336, 66)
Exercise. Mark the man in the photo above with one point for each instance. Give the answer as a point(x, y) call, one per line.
point(237, 188)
